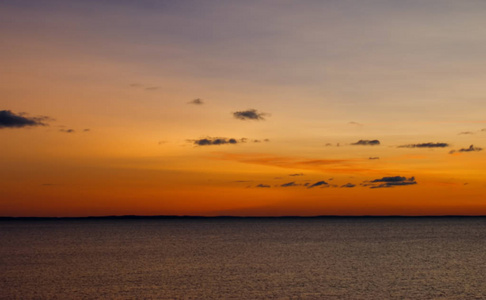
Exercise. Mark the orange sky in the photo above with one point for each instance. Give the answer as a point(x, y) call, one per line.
point(97, 110)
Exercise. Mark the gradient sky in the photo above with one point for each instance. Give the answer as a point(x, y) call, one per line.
point(242, 107)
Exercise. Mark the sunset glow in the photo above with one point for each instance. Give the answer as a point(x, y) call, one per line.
point(242, 108)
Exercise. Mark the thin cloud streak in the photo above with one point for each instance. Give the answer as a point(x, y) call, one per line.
point(470, 149)
point(344, 166)
point(216, 141)
point(425, 145)
point(366, 143)
point(389, 182)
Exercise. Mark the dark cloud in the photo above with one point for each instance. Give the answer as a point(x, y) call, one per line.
point(297, 174)
point(348, 185)
point(470, 149)
point(196, 102)
point(366, 143)
point(209, 141)
point(288, 184)
point(86, 130)
point(466, 132)
point(355, 123)
point(319, 183)
point(263, 186)
point(250, 114)
point(67, 130)
point(266, 140)
point(425, 145)
point(388, 182)
point(9, 119)
point(374, 157)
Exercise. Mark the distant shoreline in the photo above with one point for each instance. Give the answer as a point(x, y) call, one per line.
point(183, 217)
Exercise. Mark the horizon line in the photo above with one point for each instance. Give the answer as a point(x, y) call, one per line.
point(232, 217)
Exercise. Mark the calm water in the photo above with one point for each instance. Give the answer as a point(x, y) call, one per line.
point(244, 259)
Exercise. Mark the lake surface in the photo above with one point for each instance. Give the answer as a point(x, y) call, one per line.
point(336, 258)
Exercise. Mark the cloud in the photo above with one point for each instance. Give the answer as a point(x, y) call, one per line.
point(152, 88)
point(250, 114)
point(348, 185)
point(210, 141)
point(388, 182)
point(347, 166)
point(86, 130)
point(355, 123)
point(373, 157)
point(297, 174)
point(197, 101)
point(9, 119)
point(319, 183)
point(366, 143)
point(425, 145)
point(466, 132)
point(289, 184)
point(470, 149)
point(67, 130)
point(263, 186)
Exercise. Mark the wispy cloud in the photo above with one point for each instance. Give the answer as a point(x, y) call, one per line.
point(211, 141)
point(346, 166)
point(259, 141)
point(388, 182)
point(197, 101)
point(425, 145)
point(373, 157)
point(67, 130)
point(9, 119)
point(263, 186)
point(348, 185)
point(366, 143)
point(297, 174)
point(466, 132)
point(470, 149)
point(250, 114)
point(289, 184)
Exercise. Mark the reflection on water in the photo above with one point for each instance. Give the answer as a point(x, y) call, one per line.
point(244, 258)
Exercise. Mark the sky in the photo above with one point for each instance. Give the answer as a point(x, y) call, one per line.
point(245, 108)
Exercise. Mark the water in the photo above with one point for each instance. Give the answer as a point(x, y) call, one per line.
point(442, 258)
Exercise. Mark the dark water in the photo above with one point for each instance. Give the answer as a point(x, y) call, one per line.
point(244, 259)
